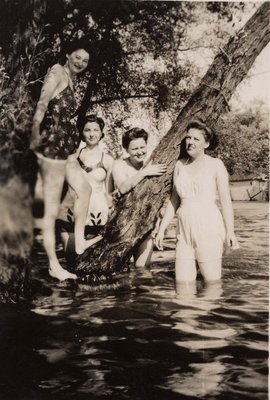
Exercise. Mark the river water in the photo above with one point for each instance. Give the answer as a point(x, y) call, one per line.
point(142, 341)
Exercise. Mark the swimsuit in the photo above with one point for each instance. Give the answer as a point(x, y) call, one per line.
point(98, 210)
point(200, 227)
point(59, 136)
point(90, 169)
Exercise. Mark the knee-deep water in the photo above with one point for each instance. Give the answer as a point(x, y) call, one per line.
point(142, 341)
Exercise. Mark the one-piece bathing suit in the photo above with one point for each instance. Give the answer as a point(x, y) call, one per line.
point(200, 227)
point(59, 135)
point(98, 210)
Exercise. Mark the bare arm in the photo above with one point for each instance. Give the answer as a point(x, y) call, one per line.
point(108, 163)
point(52, 80)
point(171, 208)
point(124, 183)
point(226, 203)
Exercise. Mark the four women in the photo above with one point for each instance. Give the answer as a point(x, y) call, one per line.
point(201, 230)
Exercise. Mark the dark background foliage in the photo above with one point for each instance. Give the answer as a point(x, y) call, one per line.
point(147, 57)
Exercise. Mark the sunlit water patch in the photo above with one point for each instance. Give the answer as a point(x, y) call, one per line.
point(142, 341)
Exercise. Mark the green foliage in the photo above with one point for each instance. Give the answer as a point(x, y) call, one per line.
point(17, 107)
point(145, 59)
point(147, 56)
point(15, 102)
point(244, 141)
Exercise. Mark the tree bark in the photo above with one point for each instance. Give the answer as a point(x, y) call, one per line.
point(136, 212)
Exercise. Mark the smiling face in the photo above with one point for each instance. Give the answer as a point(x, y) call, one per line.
point(77, 61)
point(92, 133)
point(195, 142)
point(137, 149)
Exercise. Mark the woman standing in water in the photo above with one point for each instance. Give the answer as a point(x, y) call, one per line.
point(55, 139)
point(128, 172)
point(96, 166)
point(201, 230)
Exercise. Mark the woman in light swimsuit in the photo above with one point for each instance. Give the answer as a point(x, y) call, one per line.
point(201, 230)
point(96, 167)
point(55, 139)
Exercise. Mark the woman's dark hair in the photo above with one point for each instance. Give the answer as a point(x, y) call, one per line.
point(70, 47)
point(91, 118)
point(132, 134)
point(209, 135)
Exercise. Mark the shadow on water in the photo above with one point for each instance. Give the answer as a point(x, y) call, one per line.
point(142, 340)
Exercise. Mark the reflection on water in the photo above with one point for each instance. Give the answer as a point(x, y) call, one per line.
point(144, 341)
point(203, 379)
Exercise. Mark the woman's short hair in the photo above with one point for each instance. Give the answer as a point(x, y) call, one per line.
point(74, 45)
point(91, 118)
point(209, 135)
point(132, 134)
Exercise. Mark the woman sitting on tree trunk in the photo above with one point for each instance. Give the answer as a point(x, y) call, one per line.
point(200, 226)
point(96, 167)
point(128, 172)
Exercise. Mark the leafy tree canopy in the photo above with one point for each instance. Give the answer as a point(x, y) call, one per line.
point(244, 140)
point(147, 56)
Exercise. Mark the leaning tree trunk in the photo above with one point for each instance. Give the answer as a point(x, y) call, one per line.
point(137, 211)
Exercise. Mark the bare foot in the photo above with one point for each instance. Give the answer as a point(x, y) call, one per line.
point(87, 243)
point(61, 274)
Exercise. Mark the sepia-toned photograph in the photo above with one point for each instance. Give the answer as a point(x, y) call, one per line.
point(134, 198)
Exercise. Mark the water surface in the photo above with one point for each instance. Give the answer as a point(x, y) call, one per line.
point(142, 341)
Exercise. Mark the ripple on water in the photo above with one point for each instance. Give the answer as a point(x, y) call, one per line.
point(143, 341)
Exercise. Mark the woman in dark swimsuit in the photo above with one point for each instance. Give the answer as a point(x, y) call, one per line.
point(55, 140)
point(96, 167)
point(129, 172)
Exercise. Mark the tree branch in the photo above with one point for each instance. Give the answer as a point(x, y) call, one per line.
point(135, 96)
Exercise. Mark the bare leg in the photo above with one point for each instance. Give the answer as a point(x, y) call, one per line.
point(186, 290)
point(53, 179)
point(65, 238)
point(90, 242)
point(185, 277)
point(212, 292)
point(68, 239)
point(83, 191)
point(185, 270)
point(211, 270)
point(142, 256)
